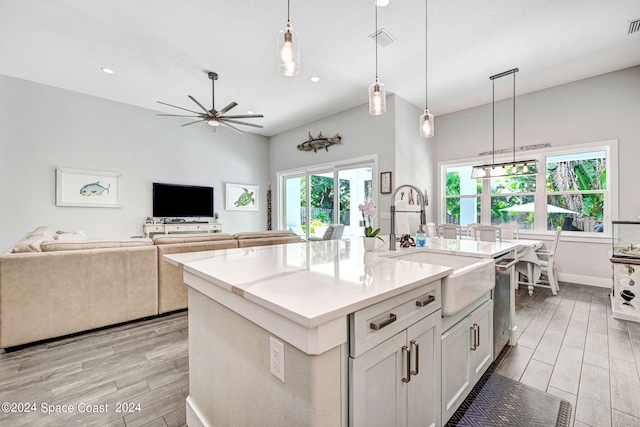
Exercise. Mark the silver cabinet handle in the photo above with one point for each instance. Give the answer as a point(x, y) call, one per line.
point(474, 346)
point(477, 335)
point(425, 302)
point(383, 323)
point(408, 352)
point(415, 344)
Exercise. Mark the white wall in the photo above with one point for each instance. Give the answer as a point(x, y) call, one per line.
point(362, 135)
point(414, 158)
point(42, 128)
point(595, 109)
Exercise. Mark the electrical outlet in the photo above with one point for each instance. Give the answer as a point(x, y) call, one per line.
point(276, 358)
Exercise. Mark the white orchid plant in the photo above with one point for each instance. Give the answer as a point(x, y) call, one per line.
point(368, 213)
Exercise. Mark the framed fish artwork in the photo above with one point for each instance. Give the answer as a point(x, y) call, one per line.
point(87, 188)
point(241, 197)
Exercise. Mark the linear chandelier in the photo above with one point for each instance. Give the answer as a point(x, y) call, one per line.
point(504, 169)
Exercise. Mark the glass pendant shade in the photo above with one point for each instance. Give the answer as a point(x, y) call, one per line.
point(377, 98)
point(288, 51)
point(426, 124)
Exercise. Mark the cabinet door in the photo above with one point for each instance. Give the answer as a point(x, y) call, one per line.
point(423, 401)
point(456, 354)
point(378, 396)
point(482, 332)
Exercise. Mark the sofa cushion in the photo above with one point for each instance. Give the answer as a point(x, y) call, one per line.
point(43, 231)
point(73, 245)
point(263, 234)
point(164, 239)
point(71, 235)
point(29, 244)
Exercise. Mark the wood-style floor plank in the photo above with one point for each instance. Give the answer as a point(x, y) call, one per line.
point(144, 362)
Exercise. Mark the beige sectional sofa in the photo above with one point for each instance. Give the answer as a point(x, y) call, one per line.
point(51, 287)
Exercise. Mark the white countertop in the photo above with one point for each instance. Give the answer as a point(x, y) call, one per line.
point(309, 283)
point(303, 292)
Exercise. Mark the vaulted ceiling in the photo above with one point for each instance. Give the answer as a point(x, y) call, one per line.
point(160, 50)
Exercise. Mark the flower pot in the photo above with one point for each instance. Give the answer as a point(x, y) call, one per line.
point(369, 243)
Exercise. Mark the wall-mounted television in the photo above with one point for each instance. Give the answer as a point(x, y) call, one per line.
point(175, 201)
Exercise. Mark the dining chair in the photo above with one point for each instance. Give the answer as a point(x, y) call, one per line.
point(333, 232)
point(450, 231)
point(487, 233)
point(471, 227)
point(431, 229)
point(547, 263)
point(508, 231)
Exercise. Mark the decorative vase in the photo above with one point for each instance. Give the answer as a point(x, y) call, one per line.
point(369, 244)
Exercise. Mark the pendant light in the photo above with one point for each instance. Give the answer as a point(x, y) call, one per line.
point(504, 169)
point(426, 120)
point(288, 49)
point(377, 92)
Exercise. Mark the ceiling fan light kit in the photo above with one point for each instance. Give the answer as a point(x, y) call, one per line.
point(377, 92)
point(214, 117)
point(288, 49)
point(504, 169)
point(426, 120)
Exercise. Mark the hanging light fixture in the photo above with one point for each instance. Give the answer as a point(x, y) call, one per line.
point(503, 169)
point(426, 120)
point(377, 93)
point(288, 49)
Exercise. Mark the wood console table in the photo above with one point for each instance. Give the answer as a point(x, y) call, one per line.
point(183, 227)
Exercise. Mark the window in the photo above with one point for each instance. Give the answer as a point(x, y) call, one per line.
point(573, 191)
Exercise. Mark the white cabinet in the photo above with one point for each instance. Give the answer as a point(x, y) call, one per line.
point(397, 382)
point(467, 352)
point(184, 227)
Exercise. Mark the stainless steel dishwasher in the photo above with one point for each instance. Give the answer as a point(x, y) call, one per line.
point(505, 271)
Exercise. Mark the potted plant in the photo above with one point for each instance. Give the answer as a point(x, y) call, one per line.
point(368, 213)
point(216, 217)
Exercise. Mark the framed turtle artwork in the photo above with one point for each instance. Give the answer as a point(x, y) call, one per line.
point(242, 197)
point(87, 188)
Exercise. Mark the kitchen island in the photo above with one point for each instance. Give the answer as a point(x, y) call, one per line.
point(324, 306)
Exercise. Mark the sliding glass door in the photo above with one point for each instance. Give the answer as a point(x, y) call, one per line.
point(314, 200)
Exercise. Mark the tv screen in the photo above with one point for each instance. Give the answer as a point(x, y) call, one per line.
point(171, 200)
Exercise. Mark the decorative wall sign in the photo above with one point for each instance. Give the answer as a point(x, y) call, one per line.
point(242, 197)
point(385, 182)
point(315, 144)
point(87, 188)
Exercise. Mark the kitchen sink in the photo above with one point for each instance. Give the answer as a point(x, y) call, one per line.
point(471, 278)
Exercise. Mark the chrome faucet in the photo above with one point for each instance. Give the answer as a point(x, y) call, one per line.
point(424, 201)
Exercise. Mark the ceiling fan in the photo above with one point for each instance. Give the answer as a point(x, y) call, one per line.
point(214, 117)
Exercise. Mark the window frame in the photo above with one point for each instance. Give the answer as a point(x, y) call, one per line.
point(610, 147)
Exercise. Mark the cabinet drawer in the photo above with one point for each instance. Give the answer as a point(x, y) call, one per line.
point(154, 228)
point(374, 324)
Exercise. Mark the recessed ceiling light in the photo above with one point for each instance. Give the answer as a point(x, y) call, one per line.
point(315, 79)
point(107, 70)
point(382, 3)
point(249, 112)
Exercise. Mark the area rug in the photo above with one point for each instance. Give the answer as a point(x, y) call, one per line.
point(498, 401)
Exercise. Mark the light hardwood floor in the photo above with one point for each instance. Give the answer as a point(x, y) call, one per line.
point(570, 346)
point(143, 363)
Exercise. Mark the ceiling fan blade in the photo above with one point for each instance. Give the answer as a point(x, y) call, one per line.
point(194, 122)
point(175, 106)
point(232, 127)
point(181, 115)
point(238, 122)
point(227, 108)
point(200, 105)
point(245, 116)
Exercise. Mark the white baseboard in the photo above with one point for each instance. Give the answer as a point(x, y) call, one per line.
point(601, 282)
point(194, 417)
